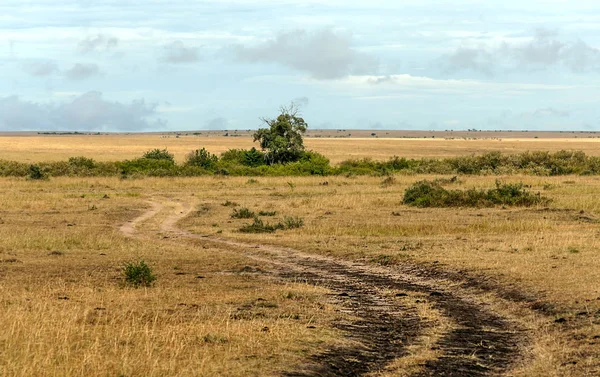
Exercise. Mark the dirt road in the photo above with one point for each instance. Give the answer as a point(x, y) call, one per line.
point(478, 342)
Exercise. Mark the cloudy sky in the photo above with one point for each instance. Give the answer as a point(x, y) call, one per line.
point(139, 65)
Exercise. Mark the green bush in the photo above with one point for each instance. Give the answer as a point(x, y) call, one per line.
point(253, 158)
point(159, 154)
point(432, 194)
point(238, 162)
point(242, 213)
point(201, 158)
point(367, 166)
point(75, 166)
point(233, 155)
point(82, 162)
point(36, 173)
point(13, 169)
point(148, 166)
point(138, 274)
point(258, 226)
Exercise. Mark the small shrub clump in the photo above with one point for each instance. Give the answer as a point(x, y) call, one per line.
point(159, 154)
point(258, 226)
point(242, 213)
point(267, 213)
point(82, 162)
point(251, 157)
point(432, 194)
point(36, 173)
point(202, 158)
point(138, 274)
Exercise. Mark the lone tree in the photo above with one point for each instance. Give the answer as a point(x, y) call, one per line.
point(282, 139)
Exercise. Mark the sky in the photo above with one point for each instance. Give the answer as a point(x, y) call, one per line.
point(165, 65)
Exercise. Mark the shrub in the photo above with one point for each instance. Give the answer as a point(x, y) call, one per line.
point(221, 171)
point(267, 213)
point(148, 166)
point(82, 162)
point(239, 162)
point(13, 169)
point(233, 155)
point(138, 274)
point(242, 213)
point(513, 194)
point(159, 154)
point(315, 163)
point(201, 158)
point(258, 226)
point(432, 194)
point(253, 158)
point(36, 173)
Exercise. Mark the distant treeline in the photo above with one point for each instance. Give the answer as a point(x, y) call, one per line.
point(238, 162)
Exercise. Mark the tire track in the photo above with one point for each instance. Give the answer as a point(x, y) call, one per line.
point(481, 342)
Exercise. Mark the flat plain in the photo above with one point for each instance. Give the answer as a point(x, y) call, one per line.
point(335, 145)
point(366, 286)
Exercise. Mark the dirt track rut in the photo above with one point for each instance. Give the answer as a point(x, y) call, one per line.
point(479, 343)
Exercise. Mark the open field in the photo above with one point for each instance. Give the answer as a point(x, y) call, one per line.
point(365, 286)
point(35, 148)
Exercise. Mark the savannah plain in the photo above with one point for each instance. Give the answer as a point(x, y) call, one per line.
point(366, 286)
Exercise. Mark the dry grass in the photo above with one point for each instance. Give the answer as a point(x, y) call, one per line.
point(549, 251)
point(65, 311)
point(340, 220)
point(34, 148)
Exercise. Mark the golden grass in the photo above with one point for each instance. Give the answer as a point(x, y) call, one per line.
point(60, 239)
point(549, 251)
point(65, 311)
point(35, 148)
point(353, 217)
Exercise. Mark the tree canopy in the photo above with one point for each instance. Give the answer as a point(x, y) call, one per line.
point(282, 139)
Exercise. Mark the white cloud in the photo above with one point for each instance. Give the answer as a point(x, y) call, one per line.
point(40, 68)
point(82, 71)
point(97, 43)
point(324, 54)
point(87, 112)
point(415, 84)
point(177, 53)
point(351, 58)
point(545, 49)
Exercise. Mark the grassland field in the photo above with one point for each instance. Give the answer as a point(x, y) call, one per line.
point(35, 148)
point(228, 303)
